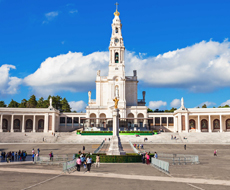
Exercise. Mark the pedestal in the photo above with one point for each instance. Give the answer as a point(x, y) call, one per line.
point(115, 147)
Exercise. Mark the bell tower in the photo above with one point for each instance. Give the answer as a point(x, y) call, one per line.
point(116, 49)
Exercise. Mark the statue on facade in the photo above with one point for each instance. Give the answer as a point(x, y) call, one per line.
point(89, 94)
point(98, 72)
point(116, 92)
point(116, 102)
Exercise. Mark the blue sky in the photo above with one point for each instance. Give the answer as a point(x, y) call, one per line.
point(32, 31)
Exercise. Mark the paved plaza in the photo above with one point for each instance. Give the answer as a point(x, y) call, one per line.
point(211, 173)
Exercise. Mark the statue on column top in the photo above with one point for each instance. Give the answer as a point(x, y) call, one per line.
point(98, 72)
point(50, 102)
point(116, 102)
point(89, 94)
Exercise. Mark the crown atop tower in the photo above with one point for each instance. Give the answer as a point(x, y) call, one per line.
point(116, 13)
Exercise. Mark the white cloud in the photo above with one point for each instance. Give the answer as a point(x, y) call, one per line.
point(77, 106)
point(208, 104)
point(69, 72)
point(175, 103)
point(73, 11)
point(225, 103)
point(157, 104)
point(202, 67)
point(8, 85)
point(50, 16)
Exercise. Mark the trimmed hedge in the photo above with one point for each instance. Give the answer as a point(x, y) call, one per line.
point(116, 159)
point(120, 132)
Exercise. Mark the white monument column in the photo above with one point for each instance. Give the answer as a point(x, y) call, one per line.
point(116, 122)
point(209, 124)
point(65, 121)
point(221, 127)
point(12, 124)
point(167, 122)
point(34, 123)
point(72, 121)
point(198, 124)
point(23, 123)
point(1, 123)
point(53, 122)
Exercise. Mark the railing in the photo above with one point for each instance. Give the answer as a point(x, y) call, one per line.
point(69, 166)
point(160, 164)
point(99, 148)
point(141, 101)
point(57, 159)
point(180, 158)
point(134, 149)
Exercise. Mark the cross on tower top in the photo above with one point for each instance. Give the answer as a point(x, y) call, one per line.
point(116, 5)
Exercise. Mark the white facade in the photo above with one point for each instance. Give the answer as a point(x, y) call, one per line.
point(116, 84)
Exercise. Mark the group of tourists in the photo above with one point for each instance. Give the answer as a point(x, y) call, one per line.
point(35, 154)
point(146, 157)
point(13, 156)
point(141, 146)
point(85, 161)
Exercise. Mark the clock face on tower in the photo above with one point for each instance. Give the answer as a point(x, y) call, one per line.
point(116, 40)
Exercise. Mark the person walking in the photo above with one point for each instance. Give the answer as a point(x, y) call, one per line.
point(185, 147)
point(215, 152)
point(155, 155)
point(83, 149)
point(143, 158)
point(33, 156)
point(78, 164)
point(89, 162)
point(38, 151)
point(97, 161)
point(147, 158)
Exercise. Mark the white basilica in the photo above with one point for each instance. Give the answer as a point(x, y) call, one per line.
point(133, 112)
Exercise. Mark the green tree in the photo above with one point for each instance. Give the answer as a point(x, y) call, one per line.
point(23, 104)
point(42, 103)
point(32, 102)
point(13, 104)
point(204, 106)
point(65, 105)
point(2, 104)
point(171, 110)
point(149, 110)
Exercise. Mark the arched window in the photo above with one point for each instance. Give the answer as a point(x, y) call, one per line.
point(228, 124)
point(41, 124)
point(5, 124)
point(116, 30)
point(204, 124)
point(216, 124)
point(192, 124)
point(29, 124)
point(116, 57)
point(16, 124)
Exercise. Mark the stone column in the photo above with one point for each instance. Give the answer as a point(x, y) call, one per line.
point(179, 123)
point(65, 121)
point(167, 122)
point(198, 124)
point(186, 122)
point(23, 123)
point(175, 123)
point(34, 123)
point(116, 122)
point(221, 127)
point(1, 123)
point(153, 121)
point(209, 124)
point(46, 123)
point(12, 124)
point(160, 121)
point(53, 122)
point(72, 122)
